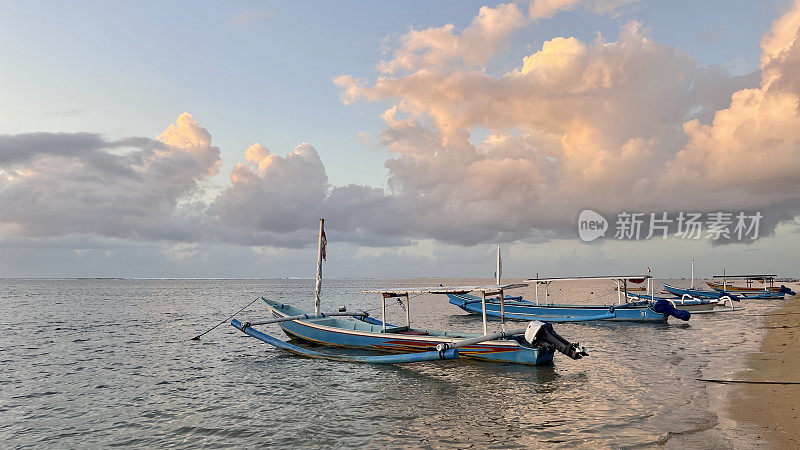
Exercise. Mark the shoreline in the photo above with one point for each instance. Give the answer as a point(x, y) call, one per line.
point(772, 409)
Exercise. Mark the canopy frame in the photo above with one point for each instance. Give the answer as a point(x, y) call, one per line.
point(749, 278)
point(488, 289)
point(621, 280)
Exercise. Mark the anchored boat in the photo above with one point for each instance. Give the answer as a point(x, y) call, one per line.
point(517, 308)
point(534, 344)
point(723, 290)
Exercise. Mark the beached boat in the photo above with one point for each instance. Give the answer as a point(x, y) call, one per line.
point(700, 293)
point(533, 345)
point(732, 288)
point(769, 290)
point(696, 293)
point(725, 290)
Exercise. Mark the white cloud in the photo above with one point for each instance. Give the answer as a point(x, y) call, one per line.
point(443, 46)
point(544, 9)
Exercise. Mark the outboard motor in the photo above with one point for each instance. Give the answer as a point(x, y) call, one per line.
point(786, 290)
point(665, 307)
point(541, 334)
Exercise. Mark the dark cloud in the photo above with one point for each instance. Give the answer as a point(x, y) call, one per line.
point(54, 184)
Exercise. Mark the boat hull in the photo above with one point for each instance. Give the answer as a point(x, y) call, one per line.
point(761, 295)
point(773, 293)
point(695, 306)
point(525, 310)
point(357, 334)
point(729, 288)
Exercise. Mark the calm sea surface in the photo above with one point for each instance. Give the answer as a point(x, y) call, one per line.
point(89, 363)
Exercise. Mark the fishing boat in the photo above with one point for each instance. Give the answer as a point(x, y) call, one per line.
point(534, 344)
point(517, 308)
point(732, 288)
point(700, 293)
point(768, 291)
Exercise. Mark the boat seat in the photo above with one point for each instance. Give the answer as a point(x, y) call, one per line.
point(405, 330)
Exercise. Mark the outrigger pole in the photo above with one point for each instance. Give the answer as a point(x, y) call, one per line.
point(306, 316)
point(379, 359)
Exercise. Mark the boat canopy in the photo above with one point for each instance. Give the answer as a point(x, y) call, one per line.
point(486, 288)
point(621, 280)
point(747, 277)
point(609, 277)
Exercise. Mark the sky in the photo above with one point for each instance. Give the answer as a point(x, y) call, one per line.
point(205, 139)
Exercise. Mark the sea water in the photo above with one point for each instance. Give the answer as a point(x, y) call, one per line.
point(109, 362)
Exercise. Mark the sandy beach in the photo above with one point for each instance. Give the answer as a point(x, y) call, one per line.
point(774, 408)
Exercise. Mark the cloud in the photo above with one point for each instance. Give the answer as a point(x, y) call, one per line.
point(443, 46)
point(544, 9)
point(750, 149)
point(54, 184)
point(578, 124)
point(612, 125)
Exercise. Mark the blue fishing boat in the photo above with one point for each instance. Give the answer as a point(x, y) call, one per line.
point(378, 336)
point(533, 345)
point(697, 293)
point(640, 311)
point(517, 308)
point(700, 293)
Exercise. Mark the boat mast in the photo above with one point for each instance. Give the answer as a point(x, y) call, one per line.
point(318, 285)
point(692, 287)
point(724, 280)
point(499, 266)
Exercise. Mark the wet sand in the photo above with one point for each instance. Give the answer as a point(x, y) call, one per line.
point(774, 409)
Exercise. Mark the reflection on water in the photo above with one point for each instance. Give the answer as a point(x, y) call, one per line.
point(108, 362)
